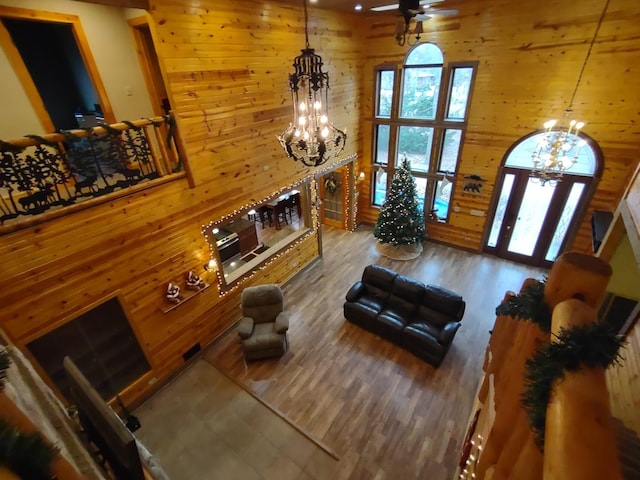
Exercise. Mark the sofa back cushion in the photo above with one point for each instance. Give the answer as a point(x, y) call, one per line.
point(441, 306)
point(378, 281)
point(405, 296)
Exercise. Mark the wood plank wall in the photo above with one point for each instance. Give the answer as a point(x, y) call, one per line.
point(530, 54)
point(226, 66)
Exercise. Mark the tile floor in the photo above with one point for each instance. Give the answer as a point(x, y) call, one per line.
point(203, 425)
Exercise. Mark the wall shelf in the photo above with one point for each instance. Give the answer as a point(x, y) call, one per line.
point(185, 294)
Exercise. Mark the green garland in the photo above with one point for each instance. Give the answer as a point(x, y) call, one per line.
point(5, 361)
point(590, 346)
point(27, 455)
point(529, 305)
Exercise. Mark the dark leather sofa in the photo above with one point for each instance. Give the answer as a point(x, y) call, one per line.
point(421, 318)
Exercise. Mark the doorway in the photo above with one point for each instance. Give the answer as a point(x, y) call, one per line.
point(332, 195)
point(534, 221)
point(50, 55)
point(150, 64)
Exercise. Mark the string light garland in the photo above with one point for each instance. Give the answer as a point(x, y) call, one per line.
point(224, 290)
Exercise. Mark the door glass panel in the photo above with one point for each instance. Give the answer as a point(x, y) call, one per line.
point(531, 215)
point(565, 220)
point(415, 143)
point(507, 186)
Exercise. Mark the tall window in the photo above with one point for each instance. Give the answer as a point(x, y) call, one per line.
point(421, 114)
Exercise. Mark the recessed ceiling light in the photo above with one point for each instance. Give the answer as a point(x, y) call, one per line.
point(358, 7)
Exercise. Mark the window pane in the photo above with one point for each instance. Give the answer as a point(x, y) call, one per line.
point(385, 93)
point(415, 144)
point(450, 149)
point(380, 183)
point(382, 144)
point(459, 98)
point(442, 199)
point(421, 188)
point(520, 156)
point(420, 89)
point(565, 220)
point(501, 209)
point(531, 215)
point(425, 54)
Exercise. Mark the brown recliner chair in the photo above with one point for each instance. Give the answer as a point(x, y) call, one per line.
point(263, 327)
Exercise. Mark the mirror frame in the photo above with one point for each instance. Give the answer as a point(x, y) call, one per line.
point(224, 286)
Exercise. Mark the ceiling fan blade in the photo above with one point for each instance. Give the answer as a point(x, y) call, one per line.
point(451, 11)
point(421, 17)
point(396, 6)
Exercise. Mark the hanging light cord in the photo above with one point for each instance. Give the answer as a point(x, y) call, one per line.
point(586, 59)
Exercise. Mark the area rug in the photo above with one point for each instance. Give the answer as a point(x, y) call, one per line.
point(203, 425)
point(400, 252)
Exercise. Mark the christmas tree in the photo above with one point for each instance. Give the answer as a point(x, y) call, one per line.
point(401, 220)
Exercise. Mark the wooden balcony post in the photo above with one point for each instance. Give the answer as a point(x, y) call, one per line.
point(579, 438)
point(577, 275)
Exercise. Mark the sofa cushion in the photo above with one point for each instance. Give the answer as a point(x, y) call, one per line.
point(361, 314)
point(390, 325)
point(429, 315)
point(405, 296)
point(378, 282)
point(423, 337)
point(444, 301)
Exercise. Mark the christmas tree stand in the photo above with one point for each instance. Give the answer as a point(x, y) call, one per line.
point(400, 252)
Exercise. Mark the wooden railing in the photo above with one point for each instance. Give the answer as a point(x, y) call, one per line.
point(50, 173)
point(579, 441)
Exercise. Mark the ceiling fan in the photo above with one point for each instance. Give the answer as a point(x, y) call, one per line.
point(421, 10)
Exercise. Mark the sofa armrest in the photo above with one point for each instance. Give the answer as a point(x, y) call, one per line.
point(448, 332)
point(245, 327)
point(282, 322)
point(355, 291)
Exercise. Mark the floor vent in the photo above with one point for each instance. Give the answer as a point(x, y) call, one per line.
point(191, 352)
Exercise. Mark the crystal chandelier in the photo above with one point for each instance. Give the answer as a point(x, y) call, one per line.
point(310, 138)
point(556, 151)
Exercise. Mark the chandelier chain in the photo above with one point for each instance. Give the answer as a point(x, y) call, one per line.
point(586, 59)
point(306, 22)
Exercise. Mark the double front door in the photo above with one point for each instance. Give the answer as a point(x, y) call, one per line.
point(532, 222)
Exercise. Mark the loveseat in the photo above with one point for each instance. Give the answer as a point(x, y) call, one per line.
point(420, 318)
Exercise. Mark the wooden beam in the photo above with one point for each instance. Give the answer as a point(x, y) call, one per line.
point(144, 4)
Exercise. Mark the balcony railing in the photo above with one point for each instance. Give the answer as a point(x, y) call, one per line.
point(43, 176)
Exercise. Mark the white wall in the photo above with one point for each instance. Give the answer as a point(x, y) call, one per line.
point(112, 45)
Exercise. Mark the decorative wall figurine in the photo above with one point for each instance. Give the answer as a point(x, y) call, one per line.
point(194, 282)
point(173, 293)
point(473, 184)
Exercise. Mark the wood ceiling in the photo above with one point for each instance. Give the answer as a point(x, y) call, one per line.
point(338, 5)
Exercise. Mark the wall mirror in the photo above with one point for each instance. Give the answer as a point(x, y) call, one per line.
point(243, 242)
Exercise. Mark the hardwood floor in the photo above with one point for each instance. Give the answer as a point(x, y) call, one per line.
point(386, 413)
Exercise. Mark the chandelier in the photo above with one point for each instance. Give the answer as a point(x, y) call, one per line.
point(311, 138)
point(556, 151)
point(558, 148)
point(403, 35)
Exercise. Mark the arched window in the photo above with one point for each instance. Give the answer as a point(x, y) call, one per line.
point(533, 222)
point(421, 113)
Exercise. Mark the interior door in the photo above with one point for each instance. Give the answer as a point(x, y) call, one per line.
point(531, 220)
point(333, 199)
